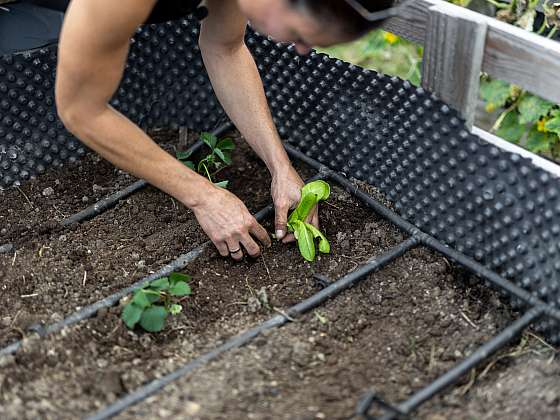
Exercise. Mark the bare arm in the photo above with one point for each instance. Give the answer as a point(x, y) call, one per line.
point(238, 85)
point(92, 54)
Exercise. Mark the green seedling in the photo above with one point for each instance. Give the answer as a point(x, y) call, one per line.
point(215, 161)
point(304, 232)
point(152, 304)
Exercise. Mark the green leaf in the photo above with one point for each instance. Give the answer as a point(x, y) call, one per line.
point(305, 241)
point(175, 309)
point(131, 315)
point(222, 184)
point(226, 144)
point(303, 209)
point(510, 129)
point(209, 139)
point(184, 154)
point(224, 156)
point(553, 124)
point(141, 299)
point(177, 277)
point(532, 108)
point(153, 318)
point(160, 284)
point(495, 92)
point(189, 165)
point(324, 245)
point(537, 141)
point(227, 158)
point(180, 289)
point(320, 188)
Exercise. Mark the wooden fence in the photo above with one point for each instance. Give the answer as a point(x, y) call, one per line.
point(459, 44)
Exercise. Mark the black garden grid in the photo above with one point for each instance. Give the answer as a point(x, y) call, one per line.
point(485, 208)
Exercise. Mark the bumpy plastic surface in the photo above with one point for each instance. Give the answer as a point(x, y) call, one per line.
point(485, 202)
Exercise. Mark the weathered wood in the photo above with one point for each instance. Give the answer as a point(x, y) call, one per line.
point(511, 53)
point(549, 166)
point(453, 53)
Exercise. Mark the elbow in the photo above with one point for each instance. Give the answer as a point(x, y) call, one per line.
point(74, 114)
point(210, 48)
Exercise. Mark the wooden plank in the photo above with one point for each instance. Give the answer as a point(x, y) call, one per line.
point(511, 53)
point(549, 166)
point(453, 53)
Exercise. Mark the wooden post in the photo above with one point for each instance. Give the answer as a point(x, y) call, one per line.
point(453, 55)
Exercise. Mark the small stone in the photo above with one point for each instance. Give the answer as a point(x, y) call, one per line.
point(62, 238)
point(5, 322)
point(6, 361)
point(141, 264)
point(57, 182)
point(551, 397)
point(191, 408)
point(102, 363)
point(85, 199)
point(56, 317)
point(48, 191)
point(6, 248)
point(135, 256)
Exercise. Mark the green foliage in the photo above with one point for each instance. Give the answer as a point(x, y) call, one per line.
point(304, 232)
point(525, 118)
point(152, 304)
point(218, 158)
point(384, 52)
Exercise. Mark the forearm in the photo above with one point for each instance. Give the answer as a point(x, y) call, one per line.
point(239, 88)
point(124, 144)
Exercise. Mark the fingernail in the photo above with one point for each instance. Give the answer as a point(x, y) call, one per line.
point(279, 234)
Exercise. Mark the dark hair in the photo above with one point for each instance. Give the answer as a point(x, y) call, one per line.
point(342, 13)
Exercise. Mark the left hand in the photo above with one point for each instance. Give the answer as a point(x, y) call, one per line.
point(286, 193)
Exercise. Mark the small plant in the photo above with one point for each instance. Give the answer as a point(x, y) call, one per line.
point(218, 158)
point(304, 232)
point(151, 305)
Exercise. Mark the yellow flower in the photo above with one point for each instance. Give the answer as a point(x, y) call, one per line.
point(490, 107)
point(390, 38)
point(541, 125)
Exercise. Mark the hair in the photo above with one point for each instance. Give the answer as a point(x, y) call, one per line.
point(342, 13)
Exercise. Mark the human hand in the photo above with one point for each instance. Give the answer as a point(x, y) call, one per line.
point(229, 225)
point(286, 193)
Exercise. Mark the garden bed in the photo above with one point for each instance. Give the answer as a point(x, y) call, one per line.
point(397, 330)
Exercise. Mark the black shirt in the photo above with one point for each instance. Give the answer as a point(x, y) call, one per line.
point(166, 10)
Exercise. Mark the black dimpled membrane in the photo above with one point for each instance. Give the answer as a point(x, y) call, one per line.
point(492, 205)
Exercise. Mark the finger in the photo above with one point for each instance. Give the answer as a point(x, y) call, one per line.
point(289, 238)
point(251, 246)
point(261, 234)
point(314, 220)
point(234, 245)
point(222, 248)
point(281, 221)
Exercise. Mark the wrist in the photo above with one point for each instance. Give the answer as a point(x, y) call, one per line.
point(197, 193)
point(280, 166)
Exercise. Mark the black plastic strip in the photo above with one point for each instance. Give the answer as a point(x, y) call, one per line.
point(427, 240)
point(111, 200)
point(334, 289)
point(480, 355)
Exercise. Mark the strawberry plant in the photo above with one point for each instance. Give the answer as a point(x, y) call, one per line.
point(152, 304)
point(215, 161)
point(524, 118)
point(304, 232)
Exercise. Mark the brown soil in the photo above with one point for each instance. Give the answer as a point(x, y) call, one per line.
point(395, 332)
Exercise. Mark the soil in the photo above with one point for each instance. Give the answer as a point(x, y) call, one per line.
point(394, 332)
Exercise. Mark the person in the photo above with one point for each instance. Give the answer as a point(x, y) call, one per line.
point(93, 49)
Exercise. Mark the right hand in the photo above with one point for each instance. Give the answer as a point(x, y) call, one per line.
point(229, 225)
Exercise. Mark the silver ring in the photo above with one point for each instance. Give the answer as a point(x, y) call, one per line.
point(235, 251)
